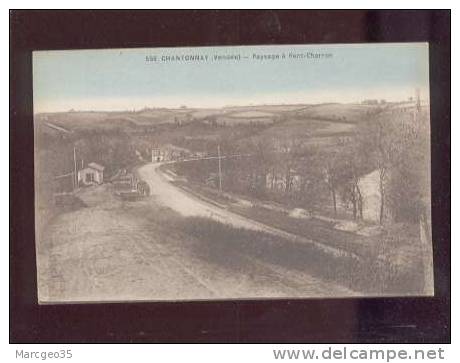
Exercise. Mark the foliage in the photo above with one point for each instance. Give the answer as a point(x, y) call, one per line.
point(113, 149)
point(397, 144)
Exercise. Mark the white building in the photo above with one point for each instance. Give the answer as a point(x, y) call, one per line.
point(158, 155)
point(169, 152)
point(92, 174)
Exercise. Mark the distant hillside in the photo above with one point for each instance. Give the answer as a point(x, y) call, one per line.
point(321, 120)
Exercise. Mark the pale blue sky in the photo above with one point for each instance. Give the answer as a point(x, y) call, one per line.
point(120, 79)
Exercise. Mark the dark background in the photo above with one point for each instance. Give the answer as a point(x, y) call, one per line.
point(366, 320)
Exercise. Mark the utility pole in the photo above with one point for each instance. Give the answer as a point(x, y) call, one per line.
point(75, 177)
point(418, 105)
point(220, 168)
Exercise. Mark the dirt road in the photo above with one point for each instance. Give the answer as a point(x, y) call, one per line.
point(188, 205)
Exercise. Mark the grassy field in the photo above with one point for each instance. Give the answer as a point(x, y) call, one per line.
point(250, 114)
point(267, 108)
point(338, 111)
point(307, 128)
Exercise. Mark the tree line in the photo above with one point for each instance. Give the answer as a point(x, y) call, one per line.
point(301, 173)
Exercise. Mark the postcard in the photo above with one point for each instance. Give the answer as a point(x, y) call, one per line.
point(243, 172)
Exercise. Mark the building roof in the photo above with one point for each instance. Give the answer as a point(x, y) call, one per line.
point(96, 166)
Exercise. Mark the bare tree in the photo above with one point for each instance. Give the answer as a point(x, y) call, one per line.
point(380, 138)
point(332, 176)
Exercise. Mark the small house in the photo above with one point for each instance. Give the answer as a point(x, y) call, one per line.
point(92, 174)
point(158, 155)
point(169, 152)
